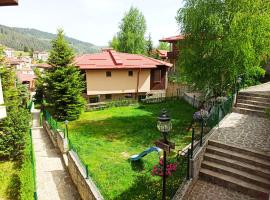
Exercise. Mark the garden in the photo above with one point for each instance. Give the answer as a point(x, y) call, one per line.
point(105, 140)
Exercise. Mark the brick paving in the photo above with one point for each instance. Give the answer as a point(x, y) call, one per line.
point(244, 131)
point(204, 190)
point(53, 181)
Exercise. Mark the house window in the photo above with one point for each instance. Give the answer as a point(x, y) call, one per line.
point(108, 74)
point(93, 99)
point(130, 73)
point(108, 96)
point(157, 76)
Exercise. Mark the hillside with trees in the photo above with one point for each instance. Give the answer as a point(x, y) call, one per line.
point(25, 38)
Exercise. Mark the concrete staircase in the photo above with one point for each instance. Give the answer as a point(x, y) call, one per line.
point(239, 169)
point(252, 104)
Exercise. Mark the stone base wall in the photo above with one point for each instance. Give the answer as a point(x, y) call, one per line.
point(85, 186)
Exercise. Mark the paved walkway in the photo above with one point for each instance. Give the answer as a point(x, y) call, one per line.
point(260, 89)
point(244, 131)
point(204, 190)
point(53, 181)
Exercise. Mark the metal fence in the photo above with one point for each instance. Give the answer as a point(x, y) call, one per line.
point(218, 112)
point(159, 99)
point(32, 157)
point(54, 125)
point(79, 160)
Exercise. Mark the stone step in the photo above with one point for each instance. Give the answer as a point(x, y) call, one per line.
point(252, 94)
point(247, 111)
point(252, 98)
point(251, 106)
point(250, 178)
point(235, 184)
point(238, 156)
point(259, 103)
point(259, 171)
point(240, 150)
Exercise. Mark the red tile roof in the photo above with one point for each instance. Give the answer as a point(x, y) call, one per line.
point(162, 53)
point(172, 38)
point(42, 65)
point(110, 59)
point(25, 77)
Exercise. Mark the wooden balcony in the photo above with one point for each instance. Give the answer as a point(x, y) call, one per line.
point(172, 55)
point(8, 2)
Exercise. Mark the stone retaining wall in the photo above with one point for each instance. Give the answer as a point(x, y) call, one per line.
point(57, 138)
point(85, 186)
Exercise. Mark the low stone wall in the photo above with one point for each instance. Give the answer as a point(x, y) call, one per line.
point(57, 138)
point(85, 186)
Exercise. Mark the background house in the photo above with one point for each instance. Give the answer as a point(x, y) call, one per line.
point(172, 55)
point(111, 75)
point(40, 55)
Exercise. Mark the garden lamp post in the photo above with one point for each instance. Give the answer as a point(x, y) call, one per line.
point(164, 125)
point(66, 123)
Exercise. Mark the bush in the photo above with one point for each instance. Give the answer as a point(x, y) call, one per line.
point(26, 175)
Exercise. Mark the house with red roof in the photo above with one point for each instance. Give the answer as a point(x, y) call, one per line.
point(112, 75)
point(172, 55)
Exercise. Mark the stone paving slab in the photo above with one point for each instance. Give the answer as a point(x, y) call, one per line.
point(244, 131)
point(203, 190)
point(260, 89)
point(53, 181)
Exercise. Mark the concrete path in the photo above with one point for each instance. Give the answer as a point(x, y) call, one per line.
point(53, 181)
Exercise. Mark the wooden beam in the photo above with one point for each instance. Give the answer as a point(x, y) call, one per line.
point(8, 2)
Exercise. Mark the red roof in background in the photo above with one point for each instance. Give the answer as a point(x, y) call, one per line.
point(172, 38)
point(42, 65)
point(162, 53)
point(25, 77)
point(110, 59)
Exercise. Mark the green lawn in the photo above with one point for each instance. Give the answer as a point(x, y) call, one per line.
point(8, 178)
point(106, 139)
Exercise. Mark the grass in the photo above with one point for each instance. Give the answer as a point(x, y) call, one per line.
point(106, 139)
point(7, 172)
point(16, 177)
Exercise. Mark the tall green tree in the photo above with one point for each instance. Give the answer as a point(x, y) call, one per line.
point(61, 54)
point(224, 39)
point(13, 127)
point(163, 46)
point(131, 37)
point(149, 45)
point(63, 82)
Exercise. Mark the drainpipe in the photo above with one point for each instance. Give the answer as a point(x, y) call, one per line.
point(138, 81)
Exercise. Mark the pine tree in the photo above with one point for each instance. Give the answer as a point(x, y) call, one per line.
point(149, 45)
point(64, 82)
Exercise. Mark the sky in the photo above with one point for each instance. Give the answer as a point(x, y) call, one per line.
point(94, 21)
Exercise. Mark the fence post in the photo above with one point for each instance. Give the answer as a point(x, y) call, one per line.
point(192, 142)
point(86, 170)
point(188, 166)
point(35, 196)
point(194, 101)
point(201, 136)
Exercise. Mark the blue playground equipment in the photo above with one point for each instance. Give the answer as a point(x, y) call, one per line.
point(144, 153)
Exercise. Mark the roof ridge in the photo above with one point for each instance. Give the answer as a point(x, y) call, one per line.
point(115, 57)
